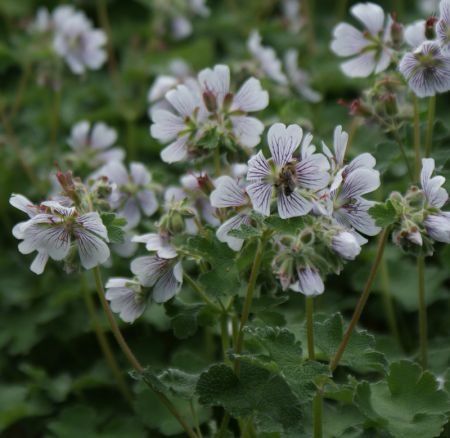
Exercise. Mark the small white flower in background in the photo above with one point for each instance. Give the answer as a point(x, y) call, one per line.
point(299, 79)
point(443, 26)
point(285, 175)
point(267, 58)
point(346, 245)
point(131, 196)
point(215, 86)
point(126, 298)
point(415, 33)
point(78, 42)
point(427, 70)
point(292, 14)
point(43, 21)
point(229, 194)
point(181, 27)
point(165, 276)
point(55, 228)
point(92, 143)
point(369, 49)
point(309, 282)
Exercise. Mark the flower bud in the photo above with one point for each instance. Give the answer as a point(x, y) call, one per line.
point(396, 32)
point(210, 101)
point(430, 31)
point(345, 244)
point(389, 101)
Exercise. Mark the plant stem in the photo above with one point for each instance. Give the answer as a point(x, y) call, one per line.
point(362, 300)
point(403, 153)
point(104, 344)
point(422, 312)
point(130, 355)
point(248, 299)
point(225, 338)
point(309, 310)
point(24, 78)
point(196, 287)
point(387, 300)
point(308, 11)
point(417, 136)
point(317, 414)
point(430, 125)
point(54, 121)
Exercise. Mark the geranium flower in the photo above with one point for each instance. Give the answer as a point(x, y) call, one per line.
point(229, 194)
point(78, 42)
point(285, 175)
point(309, 282)
point(369, 48)
point(126, 298)
point(346, 245)
point(443, 26)
point(55, 228)
point(131, 196)
point(427, 70)
point(165, 276)
point(267, 58)
point(92, 143)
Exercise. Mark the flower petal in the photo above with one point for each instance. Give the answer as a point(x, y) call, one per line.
point(292, 205)
point(227, 194)
point(166, 287)
point(139, 173)
point(283, 142)
point(258, 167)
point(371, 15)
point(250, 97)
point(232, 224)
point(39, 263)
point(359, 182)
point(92, 249)
point(248, 130)
point(148, 269)
point(260, 194)
point(176, 151)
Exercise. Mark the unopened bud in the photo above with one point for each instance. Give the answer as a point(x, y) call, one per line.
point(430, 31)
point(389, 103)
point(210, 101)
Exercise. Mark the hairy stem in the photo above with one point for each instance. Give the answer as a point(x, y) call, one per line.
point(317, 414)
point(104, 344)
point(130, 355)
point(362, 300)
point(430, 125)
point(417, 137)
point(224, 336)
point(401, 147)
point(309, 310)
point(422, 312)
point(248, 299)
point(196, 287)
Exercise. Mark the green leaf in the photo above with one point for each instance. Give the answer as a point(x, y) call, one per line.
point(114, 226)
point(360, 353)
point(406, 404)
point(383, 214)
point(256, 392)
point(245, 232)
point(209, 140)
point(180, 383)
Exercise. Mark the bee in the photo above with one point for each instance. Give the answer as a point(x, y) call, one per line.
point(287, 180)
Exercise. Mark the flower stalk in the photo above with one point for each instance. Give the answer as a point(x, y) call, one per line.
point(309, 306)
point(362, 300)
point(422, 312)
point(430, 125)
point(130, 355)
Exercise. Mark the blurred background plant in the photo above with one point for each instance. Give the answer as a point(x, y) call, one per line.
point(54, 379)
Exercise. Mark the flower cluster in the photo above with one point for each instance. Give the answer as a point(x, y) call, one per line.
point(73, 37)
point(423, 47)
point(417, 217)
point(205, 114)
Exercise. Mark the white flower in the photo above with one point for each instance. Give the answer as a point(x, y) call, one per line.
point(215, 86)
point(436, 195)
point(161, 86)
point(299, 79)
point(415, 33)
point(229, 194)
point(427, 70)
point(309, 282)
point(292, 14)
point(93, 143)
point(181, 127)
point(267, 58)
point(43, 21)
point(438, 226)
point(284, 174)
point(24, 204)
point(158, 242)
point(346, 245)
point(443, 26)
point(126, 298)
point(131, 196)
point(369, 48)
point(181, 27)
point(164, 275)
point(350, 209)
point(78, 42)
point(53, 232)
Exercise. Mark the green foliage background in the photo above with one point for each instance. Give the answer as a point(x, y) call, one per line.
point(54, 381)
